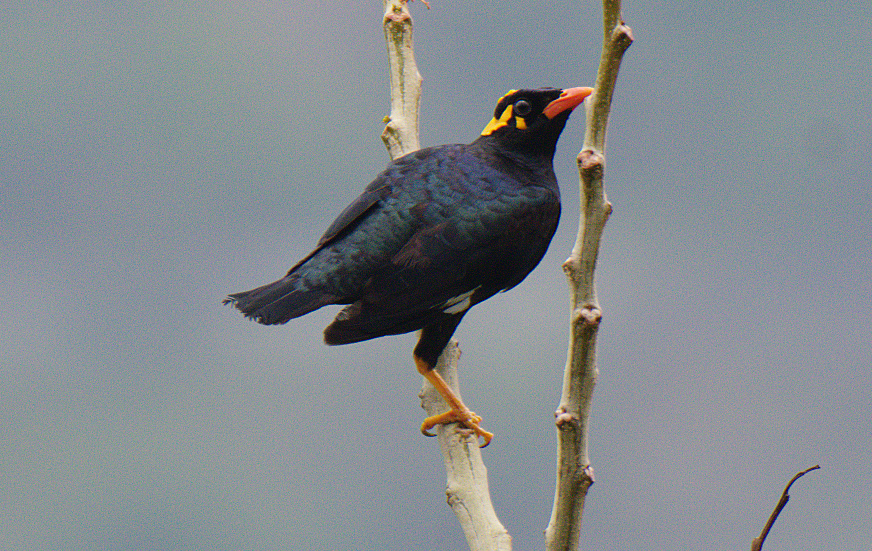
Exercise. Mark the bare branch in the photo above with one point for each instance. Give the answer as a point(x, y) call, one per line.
point(401, 133)
point(467, 485)
point(757, 543)
point(574, 472)
point(467, 490)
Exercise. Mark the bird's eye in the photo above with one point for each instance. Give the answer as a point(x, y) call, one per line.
point(522, 108)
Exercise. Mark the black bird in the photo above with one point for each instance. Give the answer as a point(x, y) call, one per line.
point(440, 230)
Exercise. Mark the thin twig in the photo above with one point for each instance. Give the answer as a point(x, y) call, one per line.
point(757, 543)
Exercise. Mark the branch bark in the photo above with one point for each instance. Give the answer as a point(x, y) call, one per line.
point(574, 471)
point(467, 490)
point(467, 485)
point(400, 135)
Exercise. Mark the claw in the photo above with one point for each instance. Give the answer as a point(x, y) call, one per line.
point(458, 413)
point(468, 418)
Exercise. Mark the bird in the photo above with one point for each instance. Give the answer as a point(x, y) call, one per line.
point(440, 230)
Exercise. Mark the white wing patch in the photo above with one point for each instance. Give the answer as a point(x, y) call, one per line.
point(458, 304)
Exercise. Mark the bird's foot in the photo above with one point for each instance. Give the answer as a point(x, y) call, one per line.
point(468, 418)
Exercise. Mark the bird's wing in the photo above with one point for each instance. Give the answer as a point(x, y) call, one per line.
point(485, 243)
point(349, 218)
point(488, 242)
point(374, 192)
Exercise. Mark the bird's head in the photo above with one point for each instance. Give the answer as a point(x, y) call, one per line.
point(532, 120)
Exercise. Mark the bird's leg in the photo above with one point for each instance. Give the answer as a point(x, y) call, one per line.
point(459, 413)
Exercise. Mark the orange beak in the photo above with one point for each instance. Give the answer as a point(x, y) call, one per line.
point(569, 99)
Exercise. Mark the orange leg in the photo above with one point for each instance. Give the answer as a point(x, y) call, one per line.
point(459, 413)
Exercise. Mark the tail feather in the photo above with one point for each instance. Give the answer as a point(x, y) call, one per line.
point(279, 302)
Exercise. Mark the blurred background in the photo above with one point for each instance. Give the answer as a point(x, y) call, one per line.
point(155, 156)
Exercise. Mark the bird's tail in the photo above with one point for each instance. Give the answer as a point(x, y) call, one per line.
point(280, 301)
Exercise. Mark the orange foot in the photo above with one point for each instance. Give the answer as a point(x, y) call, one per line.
point(468, 418)
point(459, 413)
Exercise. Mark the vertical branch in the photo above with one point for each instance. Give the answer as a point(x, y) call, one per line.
point(574, 471)
point(467, 485)
point(401, 133)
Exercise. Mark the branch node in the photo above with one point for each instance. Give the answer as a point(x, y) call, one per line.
point(622, 36)
point(588, 159)
point(396, 15)
point(588, 315)
point(592, 315)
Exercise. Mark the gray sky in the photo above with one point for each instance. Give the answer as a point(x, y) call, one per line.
point(156, 156)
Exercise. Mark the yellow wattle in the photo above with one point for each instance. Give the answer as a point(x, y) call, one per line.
point(498, 123)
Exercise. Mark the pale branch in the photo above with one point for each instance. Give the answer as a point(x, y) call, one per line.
point(616, 41)
point(467, 490)
point(574, 471)
point(467, 485)
point(757, 543)
point(401, 133)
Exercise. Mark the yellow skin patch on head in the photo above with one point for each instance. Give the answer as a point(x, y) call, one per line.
point(504, 119)
point(498, 123)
